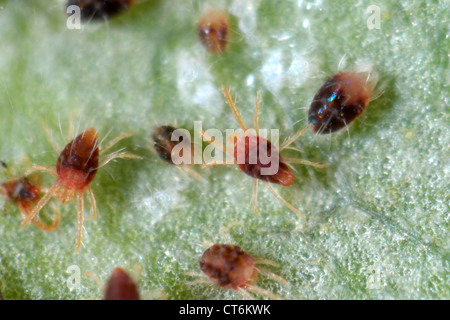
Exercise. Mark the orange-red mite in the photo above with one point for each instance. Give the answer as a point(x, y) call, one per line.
point(229, 266)
point(25, 195)
point(98, 10)
point(340, 100)
point(248, 144)
point(22, 193)
point(77, 165)
point(214, 30)
point(121, 287)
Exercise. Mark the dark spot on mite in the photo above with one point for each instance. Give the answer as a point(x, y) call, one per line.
point(100, 10)
point(229, 266)
point(213, 29)
point(340, 100)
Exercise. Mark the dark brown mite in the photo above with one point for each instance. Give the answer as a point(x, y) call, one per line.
point(340, 100)
point(229, 266)
point(163, 143)
point(25, 194)
point(121, 286)
point(100, 10)
point(76, 167)
point(282, 177)
point(214, 31)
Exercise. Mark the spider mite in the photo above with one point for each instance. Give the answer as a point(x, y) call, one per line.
point(120, 286)
point(229, 267)
point(213, 29)
point(165, 141)
point(99, 10)
point(123, 286)
point(25, 193)
point(340, 100)
point(76, 167)
point(252, 144)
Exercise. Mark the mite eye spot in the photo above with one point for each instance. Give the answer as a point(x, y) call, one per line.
point(100, 10)
point(340, 100)
point(214, 31)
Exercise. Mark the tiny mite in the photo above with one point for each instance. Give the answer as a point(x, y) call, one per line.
point(248, 152)
point(340, 100)
point(214, 31)
point(76, 167)
point(25, 194)
point(121, 286)
point(229, 267)
point(99, 10)
point(164, 144)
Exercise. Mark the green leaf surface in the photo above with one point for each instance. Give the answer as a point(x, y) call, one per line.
point(378, 215)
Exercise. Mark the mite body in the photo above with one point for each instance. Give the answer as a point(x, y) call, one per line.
point(164, 143)
point(340, 100)
point(100, 10)
point(253, 154)
point(247, 144)
point(214, 31)
point(230, 267)
point(121, 286)
point(25, 193)
point(76, 167)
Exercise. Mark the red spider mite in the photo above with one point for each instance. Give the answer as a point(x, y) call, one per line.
point(340, 100)
point(247, 144)
point(25, 193)
point(99, 10)
point(214, 31)
point(229, 267)
point(121, 286)
point(76, 167)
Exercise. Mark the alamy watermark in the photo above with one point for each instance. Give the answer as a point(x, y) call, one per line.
point(74, 20)
point(237, 147)
point(73, 282)
point(374, 19)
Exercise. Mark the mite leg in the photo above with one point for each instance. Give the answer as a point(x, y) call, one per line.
point(114, 141)
point(80, 220)
point(294, 137)
point(234, 110)
point(36, 168)
point(305, 162)
point(284, 202)
point(40, 205)
point(56, 220)
point(92, 202)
